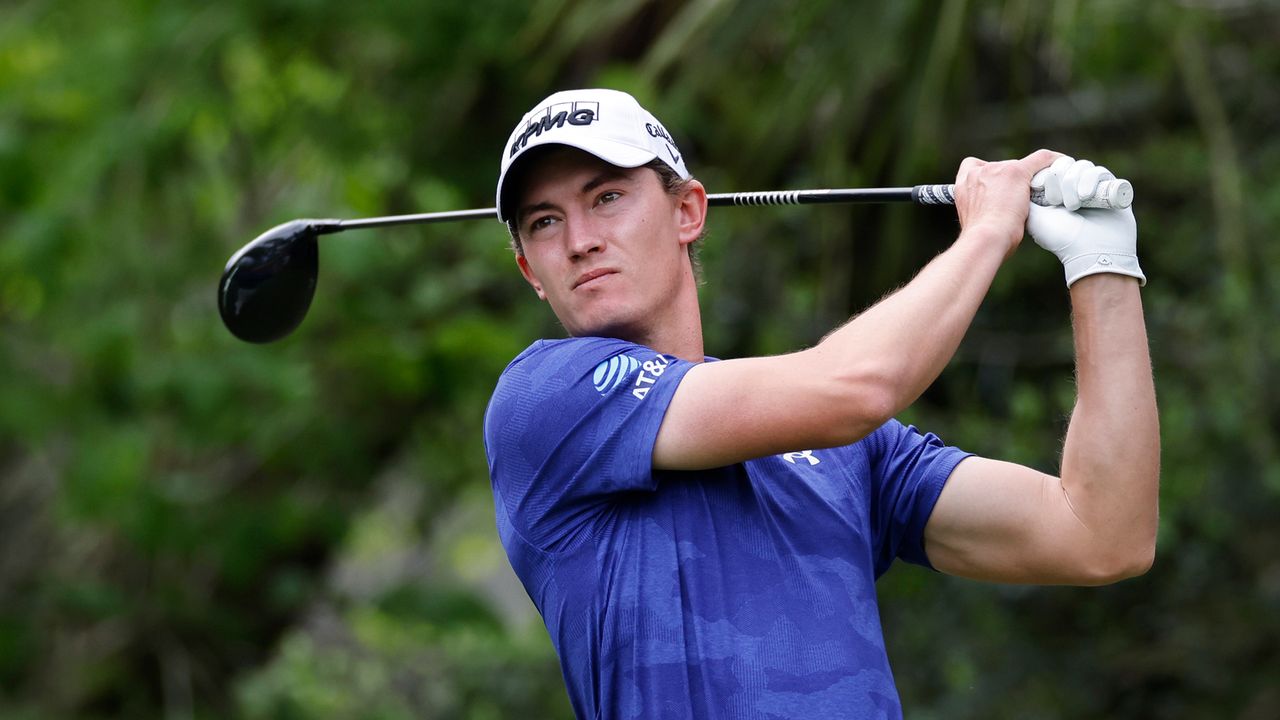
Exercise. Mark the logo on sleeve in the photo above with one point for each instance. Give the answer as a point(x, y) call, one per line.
point(613, 372)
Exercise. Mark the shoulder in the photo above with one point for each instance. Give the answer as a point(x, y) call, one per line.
point(548, 368)
point(561, 379)
point(900, 453)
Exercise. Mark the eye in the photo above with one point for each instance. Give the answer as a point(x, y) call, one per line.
point(608, 197)
point(541, 223)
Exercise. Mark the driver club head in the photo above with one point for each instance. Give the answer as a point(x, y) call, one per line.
point(267, 286)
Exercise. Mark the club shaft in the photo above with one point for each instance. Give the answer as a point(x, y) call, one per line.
point(921, 194)
point(813, 197)
point(776, 197)
point(416, 219)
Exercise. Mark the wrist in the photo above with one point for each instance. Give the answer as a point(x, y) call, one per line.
point(1087, 264)
point(991, 236)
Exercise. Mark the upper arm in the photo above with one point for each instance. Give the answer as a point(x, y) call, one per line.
point(571, 425)
point(1001, 521)
point(734, 410)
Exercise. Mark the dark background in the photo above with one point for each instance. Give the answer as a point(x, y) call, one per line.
point(194, 527)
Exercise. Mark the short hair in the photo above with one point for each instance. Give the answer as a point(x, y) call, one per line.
point(674, 186)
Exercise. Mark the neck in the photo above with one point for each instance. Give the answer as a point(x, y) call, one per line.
point(673, 329)
point(680, 334)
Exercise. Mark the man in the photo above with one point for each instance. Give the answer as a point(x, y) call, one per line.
point(702, 537)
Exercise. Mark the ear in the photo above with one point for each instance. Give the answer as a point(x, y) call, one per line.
point(529, 277)
point(692, 212)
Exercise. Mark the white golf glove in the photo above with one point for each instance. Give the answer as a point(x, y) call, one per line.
point(1086, 240)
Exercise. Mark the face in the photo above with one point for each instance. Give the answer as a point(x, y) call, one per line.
point(607, 247)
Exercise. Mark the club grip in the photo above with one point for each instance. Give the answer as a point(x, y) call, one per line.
point(1109, 195)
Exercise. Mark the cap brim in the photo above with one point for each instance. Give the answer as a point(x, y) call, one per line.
point(614, 153)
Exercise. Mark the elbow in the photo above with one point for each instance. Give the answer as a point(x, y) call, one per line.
point(874, 390)
point(866, 404)
point(853, 398)
point(877, 404)
point(1116, 564)
point(1141, 561)
point(1123, 545)
point(1130, 567)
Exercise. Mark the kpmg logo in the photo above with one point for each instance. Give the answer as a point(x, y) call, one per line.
point(612, 372)
point(580, 112)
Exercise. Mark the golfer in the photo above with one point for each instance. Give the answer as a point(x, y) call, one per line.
point(703, 537)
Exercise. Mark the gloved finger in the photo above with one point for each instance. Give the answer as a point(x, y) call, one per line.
point(1087, 184)
point(1037, 180)
point(1053, 179)
point(1071, 184)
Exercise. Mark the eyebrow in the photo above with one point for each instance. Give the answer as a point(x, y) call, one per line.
point(607, 175)
point(604, 176)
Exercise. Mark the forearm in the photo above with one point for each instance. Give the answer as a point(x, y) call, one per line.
point(895, 349)
point(1111, 456)
point(840, 390)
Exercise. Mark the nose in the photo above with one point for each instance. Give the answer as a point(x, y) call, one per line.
point(583, 237)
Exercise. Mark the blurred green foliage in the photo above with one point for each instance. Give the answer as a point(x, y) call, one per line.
point(195, 527)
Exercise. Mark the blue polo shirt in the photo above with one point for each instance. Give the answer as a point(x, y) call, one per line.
point(745, 591)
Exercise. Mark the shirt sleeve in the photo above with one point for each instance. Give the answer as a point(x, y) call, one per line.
point(908, 471)
point(571, 425)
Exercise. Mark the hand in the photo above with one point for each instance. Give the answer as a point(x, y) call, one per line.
point(1069, 182)
point(1086, 241)
point(995, 195)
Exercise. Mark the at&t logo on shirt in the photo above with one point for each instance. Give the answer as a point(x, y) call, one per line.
point(611, 373)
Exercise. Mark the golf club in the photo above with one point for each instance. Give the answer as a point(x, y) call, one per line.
point(267, 286)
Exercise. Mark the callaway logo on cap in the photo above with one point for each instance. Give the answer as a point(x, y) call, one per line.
point(606, 123)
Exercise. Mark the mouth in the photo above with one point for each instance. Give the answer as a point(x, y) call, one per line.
point(592, 277)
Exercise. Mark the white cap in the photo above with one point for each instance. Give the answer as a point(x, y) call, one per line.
point(606, 123)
